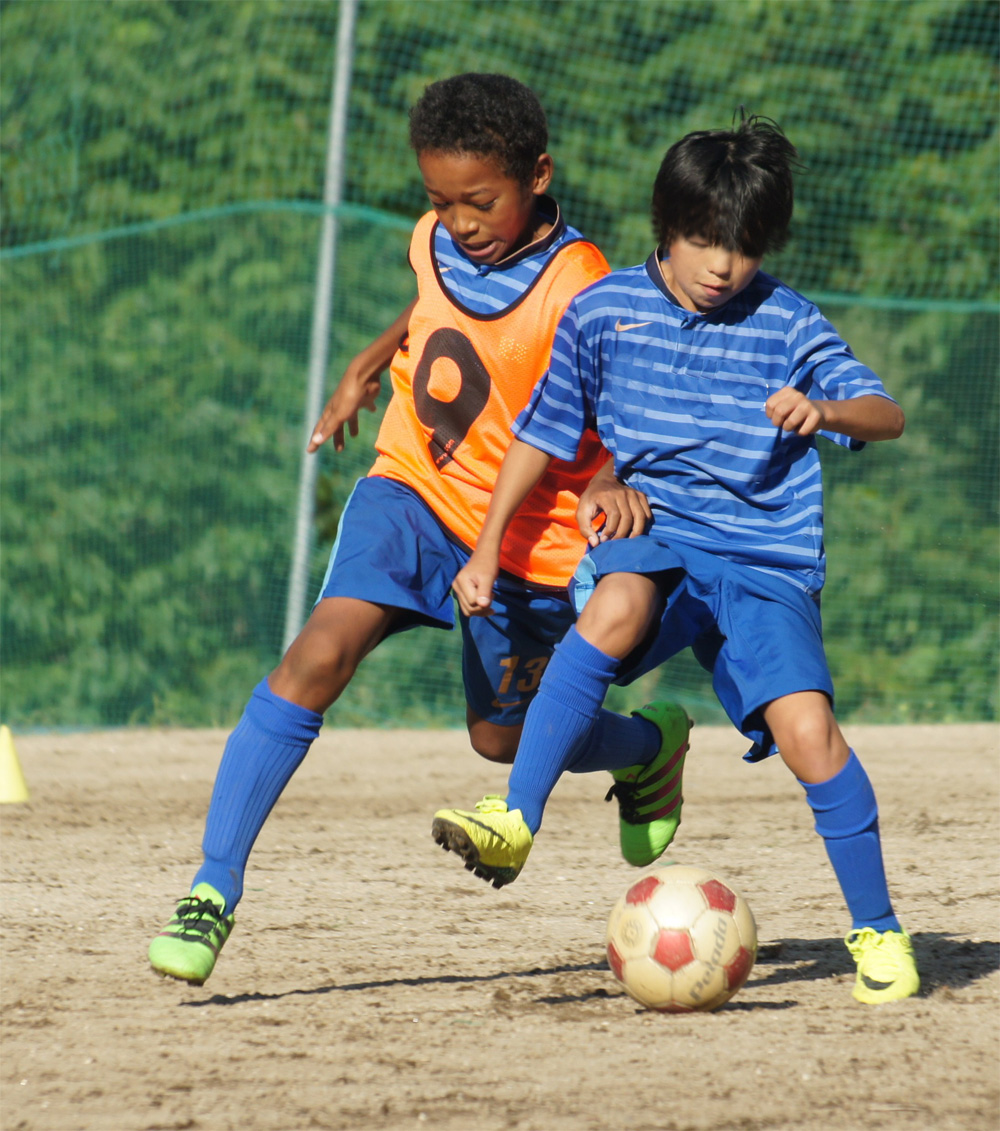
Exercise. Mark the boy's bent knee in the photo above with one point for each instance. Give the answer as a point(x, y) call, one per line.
point(309, 680)
point(322, 660)
point(807, 735)
point(620, 614)
point(491, 741)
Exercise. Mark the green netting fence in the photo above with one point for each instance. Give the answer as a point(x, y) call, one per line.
point(163, 199)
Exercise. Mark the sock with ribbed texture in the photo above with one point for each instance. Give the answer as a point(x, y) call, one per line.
point(617, 742)
point(846, 815)
point(265, 749)
point(558, 722)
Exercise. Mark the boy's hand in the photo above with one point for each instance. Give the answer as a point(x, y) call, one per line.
point(473, 585)
point(793, 411)
point(625, 511)
point(360, 386)
point(358, 389)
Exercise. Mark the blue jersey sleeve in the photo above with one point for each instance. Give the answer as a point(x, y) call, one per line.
point(824, 368)
point(561, 406)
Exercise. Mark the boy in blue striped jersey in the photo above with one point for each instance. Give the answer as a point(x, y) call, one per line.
point(708, 380)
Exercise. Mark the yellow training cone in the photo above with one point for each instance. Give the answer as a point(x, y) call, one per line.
point(12, 784)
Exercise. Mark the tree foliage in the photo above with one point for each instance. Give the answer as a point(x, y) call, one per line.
point(162, 170)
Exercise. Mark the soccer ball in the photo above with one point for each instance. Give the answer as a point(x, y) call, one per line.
point(681, 939)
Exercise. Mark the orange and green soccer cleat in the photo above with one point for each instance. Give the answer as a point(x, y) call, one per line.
point(189, 944)
point(493, 842)
point(887, 966)
point(649, 797)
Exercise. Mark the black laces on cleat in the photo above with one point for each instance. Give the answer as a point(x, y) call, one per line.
point(197, 915)
point(625, 792)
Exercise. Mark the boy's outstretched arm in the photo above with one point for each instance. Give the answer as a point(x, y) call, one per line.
point(359, 387)
point(523, 466)
point(861, 418)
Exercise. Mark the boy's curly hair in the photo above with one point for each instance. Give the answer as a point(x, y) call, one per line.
point(489, 115)
point(729, 187)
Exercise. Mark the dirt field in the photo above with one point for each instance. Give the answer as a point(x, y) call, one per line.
point(372, 983)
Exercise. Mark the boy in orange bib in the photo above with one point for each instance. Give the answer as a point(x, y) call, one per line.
point(496, 266)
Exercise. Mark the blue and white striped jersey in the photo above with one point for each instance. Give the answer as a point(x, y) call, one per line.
point(486, 288)
point(678, 399)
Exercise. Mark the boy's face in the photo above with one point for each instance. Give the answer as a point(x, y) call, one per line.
point(486, 212)
point(704, 276)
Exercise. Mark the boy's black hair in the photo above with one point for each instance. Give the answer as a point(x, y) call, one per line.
point(729, 187)
point(489, 115)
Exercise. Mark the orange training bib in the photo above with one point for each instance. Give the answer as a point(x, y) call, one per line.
point(459, 381)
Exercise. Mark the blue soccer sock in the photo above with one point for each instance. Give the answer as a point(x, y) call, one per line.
point(262, 753)
point(559, 720)
point(846, 814)
point(617, 742)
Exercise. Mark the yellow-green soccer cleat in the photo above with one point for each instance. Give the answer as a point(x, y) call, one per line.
point(493, 842)
point(887, 968)
point(189, 944)
point(649, 797)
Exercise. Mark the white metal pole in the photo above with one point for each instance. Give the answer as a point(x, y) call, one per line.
point(322, 308)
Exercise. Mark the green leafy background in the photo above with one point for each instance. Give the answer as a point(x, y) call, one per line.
point(162, 183)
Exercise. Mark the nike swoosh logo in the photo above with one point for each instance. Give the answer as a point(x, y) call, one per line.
point(500, 706)
point(620, 325)
point(489, 828)
point(872, 984)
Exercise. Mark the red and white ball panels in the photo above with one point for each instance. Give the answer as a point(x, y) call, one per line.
point(681, 939)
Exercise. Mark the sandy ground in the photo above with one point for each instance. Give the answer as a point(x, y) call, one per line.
point(373, 983)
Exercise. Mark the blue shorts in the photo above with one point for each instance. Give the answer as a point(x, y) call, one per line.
point(761, 637)
point(391, 550)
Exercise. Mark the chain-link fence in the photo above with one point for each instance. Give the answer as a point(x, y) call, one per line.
point(163, 170)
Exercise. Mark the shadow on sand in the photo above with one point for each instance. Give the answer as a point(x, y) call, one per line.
point(944, 961)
